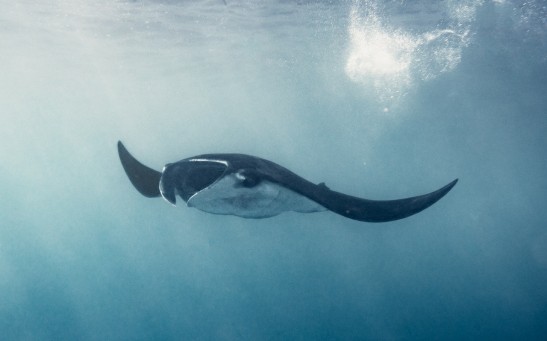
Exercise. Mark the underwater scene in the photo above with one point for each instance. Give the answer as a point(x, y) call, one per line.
point(374, 99)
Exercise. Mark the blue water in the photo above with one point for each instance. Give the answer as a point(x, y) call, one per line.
point(377, 99)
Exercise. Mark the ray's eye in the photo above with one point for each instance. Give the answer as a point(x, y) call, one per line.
point(247, 179)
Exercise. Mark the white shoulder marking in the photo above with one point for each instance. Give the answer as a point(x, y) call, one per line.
point(210, 160)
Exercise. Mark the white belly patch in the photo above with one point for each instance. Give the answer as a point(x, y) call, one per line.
point(267, 199)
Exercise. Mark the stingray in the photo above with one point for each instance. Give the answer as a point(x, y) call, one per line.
point(251, 187)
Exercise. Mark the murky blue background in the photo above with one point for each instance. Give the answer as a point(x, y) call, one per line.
point(378, 99)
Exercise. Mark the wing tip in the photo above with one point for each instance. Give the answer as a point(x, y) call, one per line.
point(449, 186)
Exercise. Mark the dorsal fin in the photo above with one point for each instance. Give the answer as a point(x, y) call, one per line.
point(322, 185)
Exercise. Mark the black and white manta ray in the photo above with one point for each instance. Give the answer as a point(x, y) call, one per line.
point(251, 187)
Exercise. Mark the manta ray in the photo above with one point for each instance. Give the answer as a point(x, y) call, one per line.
point(251, 187)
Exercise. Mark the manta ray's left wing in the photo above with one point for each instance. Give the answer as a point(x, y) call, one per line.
point(145, 179)
point(376, 210)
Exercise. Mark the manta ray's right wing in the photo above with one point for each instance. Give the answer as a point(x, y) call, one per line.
point(145, 179)
point(376, 210)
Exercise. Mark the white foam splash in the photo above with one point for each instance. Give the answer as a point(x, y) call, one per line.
point(377, 52)
point(390, 58)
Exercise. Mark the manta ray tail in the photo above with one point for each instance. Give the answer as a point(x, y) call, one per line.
point(145, 179)
point(378, 210)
